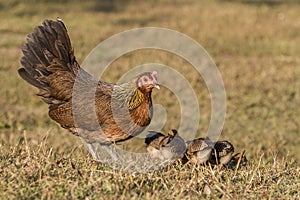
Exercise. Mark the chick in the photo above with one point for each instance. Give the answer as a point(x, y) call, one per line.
point(222, 153)
point(199, 150)
point(165, 147)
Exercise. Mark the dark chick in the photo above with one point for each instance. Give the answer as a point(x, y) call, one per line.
point(222, 153)
point(165, 147)
point(97, 111)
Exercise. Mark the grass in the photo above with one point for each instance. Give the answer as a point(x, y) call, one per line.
point(255, 48)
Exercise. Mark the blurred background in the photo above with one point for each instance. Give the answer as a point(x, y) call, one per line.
point(255, 45)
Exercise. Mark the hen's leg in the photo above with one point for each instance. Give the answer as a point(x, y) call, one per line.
point(111, 152)
point(91, 148)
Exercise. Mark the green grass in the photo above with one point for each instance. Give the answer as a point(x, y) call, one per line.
point(255, 46)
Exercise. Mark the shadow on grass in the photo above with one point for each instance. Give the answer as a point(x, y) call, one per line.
point(109, 5)
point(95, 6)
point(263, 2)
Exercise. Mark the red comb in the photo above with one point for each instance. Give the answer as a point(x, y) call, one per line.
point(154, 73)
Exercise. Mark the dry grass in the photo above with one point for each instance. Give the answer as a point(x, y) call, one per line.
point(255, 46)
point(38, 171)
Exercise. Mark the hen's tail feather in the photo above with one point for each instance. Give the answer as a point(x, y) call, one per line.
point(49, 61)
point(25, 75)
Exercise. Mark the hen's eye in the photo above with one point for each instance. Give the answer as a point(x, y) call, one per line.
point(145, 79)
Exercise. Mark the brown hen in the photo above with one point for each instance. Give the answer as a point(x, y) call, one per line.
point(97, 111)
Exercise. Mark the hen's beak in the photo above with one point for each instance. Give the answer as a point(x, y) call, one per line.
point(157, 86)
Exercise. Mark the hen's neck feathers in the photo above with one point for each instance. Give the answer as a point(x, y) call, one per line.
point(130, 95)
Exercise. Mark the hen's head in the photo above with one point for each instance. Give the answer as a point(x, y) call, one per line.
point(147, 81)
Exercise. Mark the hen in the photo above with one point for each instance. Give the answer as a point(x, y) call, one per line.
point(100, 112)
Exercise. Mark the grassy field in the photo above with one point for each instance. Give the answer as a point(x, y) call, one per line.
point(255, 45)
